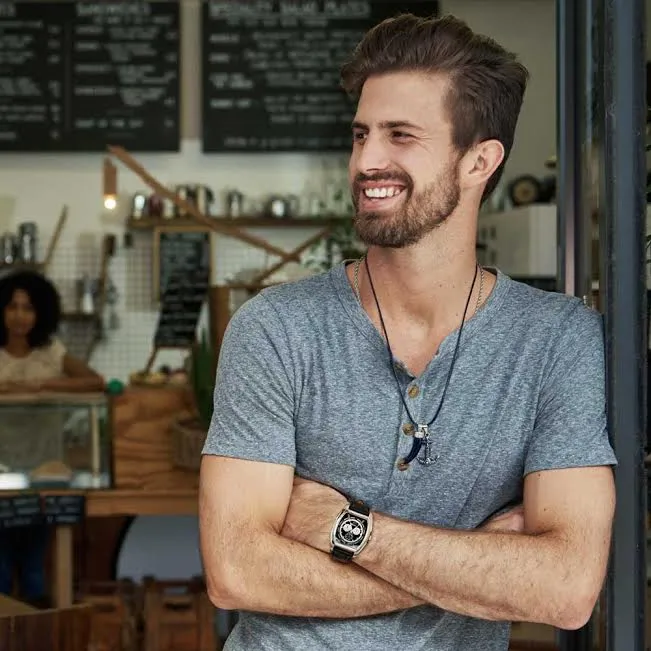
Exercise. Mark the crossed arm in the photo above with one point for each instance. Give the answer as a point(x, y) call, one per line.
point(77, 377)
point(264, 541)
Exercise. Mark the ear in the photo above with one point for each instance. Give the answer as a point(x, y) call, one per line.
point(480, 162)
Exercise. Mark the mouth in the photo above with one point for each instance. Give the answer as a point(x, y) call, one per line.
point(380, 197)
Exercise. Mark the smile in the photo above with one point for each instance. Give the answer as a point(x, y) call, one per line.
point(382, 193)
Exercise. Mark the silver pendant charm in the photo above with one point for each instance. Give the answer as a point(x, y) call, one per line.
point(426, 458)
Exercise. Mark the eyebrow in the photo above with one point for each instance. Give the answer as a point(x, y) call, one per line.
point(387, 125)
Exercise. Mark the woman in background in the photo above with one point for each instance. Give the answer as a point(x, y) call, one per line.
point(32, 360)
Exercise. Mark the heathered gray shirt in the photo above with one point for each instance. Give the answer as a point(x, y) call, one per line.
point(304, 380)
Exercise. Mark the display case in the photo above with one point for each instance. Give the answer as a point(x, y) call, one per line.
point(55, 440)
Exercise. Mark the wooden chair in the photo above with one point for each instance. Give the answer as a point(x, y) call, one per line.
point(114, 624)
point(178, 616)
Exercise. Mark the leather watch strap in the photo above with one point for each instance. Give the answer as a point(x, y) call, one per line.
point(343, 555)
point(359, 507)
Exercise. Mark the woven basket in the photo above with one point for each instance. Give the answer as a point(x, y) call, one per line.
point(188, 437)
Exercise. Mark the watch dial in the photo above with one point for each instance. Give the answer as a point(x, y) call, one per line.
point(351, 530)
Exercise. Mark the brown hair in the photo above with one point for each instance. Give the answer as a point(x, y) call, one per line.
point(487, 83)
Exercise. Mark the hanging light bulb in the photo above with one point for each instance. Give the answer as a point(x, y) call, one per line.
point(110, 182)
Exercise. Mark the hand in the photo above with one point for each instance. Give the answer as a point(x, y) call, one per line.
point(313, 509)
point(511, 521)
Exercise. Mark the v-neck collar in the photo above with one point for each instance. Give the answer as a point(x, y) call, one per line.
point(471, 327)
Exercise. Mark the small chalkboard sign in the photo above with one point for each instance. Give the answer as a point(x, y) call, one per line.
point(180, 309)
point(182, 254)
point(64, 509)
point(20, 511)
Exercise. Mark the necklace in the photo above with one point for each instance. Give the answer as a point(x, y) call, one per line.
point(358, 264)
point(421, 435)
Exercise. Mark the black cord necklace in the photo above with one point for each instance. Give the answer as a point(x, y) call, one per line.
point(421, 434)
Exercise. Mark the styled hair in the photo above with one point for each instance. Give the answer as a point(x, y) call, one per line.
point(487, 83)
point(44, 298)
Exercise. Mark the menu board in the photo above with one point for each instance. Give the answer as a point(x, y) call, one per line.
point(64, 509)
point(182, 272)
point(180, 309)
point(270, 70)
point(78, 76)
point(20, 511)
point(178, 252)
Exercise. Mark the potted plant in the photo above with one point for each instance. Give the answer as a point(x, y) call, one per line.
point(340, 244)
point(189, 434)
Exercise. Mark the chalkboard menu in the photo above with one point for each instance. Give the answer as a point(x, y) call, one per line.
point(64, 509)
point(20, 511)
point(78, 76)
point(270, 70)
point(180, 308)
point(178, 252)
point(182, 268)
point(27, 510)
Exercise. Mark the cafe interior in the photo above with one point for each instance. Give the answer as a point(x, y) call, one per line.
point(158, 179)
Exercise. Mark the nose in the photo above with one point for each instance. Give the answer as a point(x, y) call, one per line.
point(371, 155)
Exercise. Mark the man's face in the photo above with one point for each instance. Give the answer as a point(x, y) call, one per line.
point(403, 168)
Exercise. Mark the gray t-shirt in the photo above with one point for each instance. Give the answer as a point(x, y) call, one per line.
point(304, 380)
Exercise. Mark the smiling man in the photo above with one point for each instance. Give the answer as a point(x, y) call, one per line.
point(374, 426)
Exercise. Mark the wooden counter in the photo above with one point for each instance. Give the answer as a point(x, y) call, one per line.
point(140, 502)
point(107, 503)
point(78, 399)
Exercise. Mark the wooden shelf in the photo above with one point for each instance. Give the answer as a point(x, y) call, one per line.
point(29, 266)
point(147, 223)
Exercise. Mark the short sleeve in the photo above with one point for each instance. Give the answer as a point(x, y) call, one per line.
point(253, 415)
point(57, 351)
point(571, 427)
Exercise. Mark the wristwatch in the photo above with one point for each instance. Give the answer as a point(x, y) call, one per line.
point(351, 531)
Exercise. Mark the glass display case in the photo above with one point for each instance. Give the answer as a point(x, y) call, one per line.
point(56, 440)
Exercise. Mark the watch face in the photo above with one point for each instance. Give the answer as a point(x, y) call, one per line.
point(351, 530)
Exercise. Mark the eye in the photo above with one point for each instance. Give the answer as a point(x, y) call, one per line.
point(359, 136)
point(400, 135)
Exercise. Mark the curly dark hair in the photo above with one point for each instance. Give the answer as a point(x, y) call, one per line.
point(44, 298)
point(487, 82)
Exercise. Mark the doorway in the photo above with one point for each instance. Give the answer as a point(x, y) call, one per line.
point(602, 210)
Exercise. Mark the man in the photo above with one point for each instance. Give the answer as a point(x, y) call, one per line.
point(434, 391)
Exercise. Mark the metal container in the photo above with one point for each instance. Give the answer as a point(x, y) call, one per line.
point(8, 246)
point(27, 242)
point(139, 203)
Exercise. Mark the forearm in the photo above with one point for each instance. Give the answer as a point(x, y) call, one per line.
point(74, 384)
point(496, 576)
point(276, 575)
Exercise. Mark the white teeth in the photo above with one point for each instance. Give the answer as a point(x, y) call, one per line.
point(382, 193)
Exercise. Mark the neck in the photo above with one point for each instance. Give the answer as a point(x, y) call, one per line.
point(428, 283)
point(17, 346)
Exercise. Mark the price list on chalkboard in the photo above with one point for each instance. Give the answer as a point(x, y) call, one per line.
point(28, 510)
point(20, 511)
point(78, 76)
point(180, 309)
point(271, 70)
point(184, 263)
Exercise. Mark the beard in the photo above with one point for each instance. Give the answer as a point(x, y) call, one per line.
point(419, 214)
